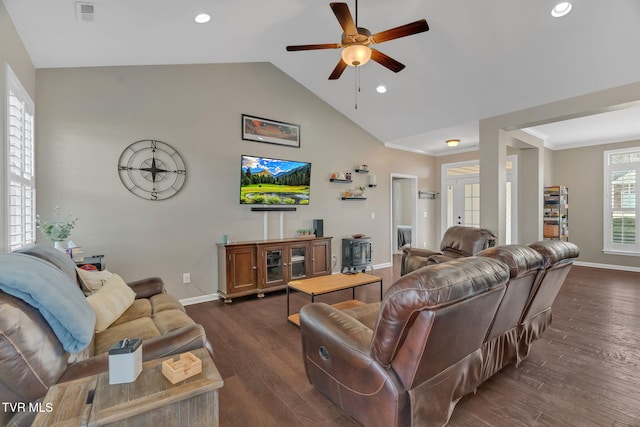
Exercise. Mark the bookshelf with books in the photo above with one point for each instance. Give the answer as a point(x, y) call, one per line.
point(556, 213)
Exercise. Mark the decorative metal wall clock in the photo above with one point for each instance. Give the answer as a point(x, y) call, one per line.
point(151, 169)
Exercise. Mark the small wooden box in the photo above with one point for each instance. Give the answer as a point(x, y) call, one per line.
point(186, 366)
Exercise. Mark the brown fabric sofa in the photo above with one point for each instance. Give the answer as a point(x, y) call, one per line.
point(438, 334)
point(32, 357)
point(458, 241)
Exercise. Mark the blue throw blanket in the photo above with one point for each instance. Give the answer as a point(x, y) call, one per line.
point(59, 300)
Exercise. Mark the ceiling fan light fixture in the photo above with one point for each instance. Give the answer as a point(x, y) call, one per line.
point(356, 55)
point(452, 142)
point(561, 9)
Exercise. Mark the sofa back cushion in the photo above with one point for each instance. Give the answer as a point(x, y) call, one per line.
point(525, 266)
point(52, 255)
point(464, 241)
point(421, 309)
point(558, 258)
point(53, 294)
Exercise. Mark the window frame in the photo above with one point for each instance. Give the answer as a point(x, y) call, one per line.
point(608, 246)
point(26, 180)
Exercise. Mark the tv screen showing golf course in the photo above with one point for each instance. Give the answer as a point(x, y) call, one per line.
point(265, 181)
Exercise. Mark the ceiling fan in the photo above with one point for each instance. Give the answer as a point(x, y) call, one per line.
point(356, 40)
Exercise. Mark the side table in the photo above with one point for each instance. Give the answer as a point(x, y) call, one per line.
point(150, 400)
point(95, 260)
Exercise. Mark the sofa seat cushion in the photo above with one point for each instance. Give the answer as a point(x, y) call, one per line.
point(170, 320)
point(367, 314)
point(164, 302)
point(142, 328)
point(140, 308)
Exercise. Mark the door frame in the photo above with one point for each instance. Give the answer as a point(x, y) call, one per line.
point(414, 211)
point(512, 176)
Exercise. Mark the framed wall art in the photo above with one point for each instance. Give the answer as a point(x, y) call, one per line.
point(270, 131)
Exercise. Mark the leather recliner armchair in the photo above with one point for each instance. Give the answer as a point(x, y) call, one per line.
point(458, 241)
point(418, 351)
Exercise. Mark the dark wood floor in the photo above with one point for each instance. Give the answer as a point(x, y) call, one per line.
point(585, 371)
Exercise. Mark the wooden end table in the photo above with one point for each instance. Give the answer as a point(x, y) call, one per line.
point(331, 283)
point(150, 400)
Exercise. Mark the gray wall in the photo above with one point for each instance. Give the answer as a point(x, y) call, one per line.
point(87, 116)
point(13, 53)
point(582, 171)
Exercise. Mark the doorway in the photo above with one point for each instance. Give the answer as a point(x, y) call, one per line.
point(404, 211)
point(461, 196)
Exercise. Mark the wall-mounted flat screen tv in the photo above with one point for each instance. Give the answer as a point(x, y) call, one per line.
point(265, 181)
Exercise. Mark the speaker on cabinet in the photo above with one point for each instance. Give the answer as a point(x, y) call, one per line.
point(318, 227)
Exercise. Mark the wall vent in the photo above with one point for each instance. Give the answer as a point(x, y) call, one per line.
point(85, 12)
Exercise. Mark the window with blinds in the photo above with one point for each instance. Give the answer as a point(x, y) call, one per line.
point(21, 167)
point(621, 207)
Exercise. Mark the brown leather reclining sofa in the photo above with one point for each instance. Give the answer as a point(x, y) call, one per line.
point(32, 357)
point(437, 335)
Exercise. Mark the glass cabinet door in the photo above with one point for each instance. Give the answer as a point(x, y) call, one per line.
point(298, 262)
point(275, 266)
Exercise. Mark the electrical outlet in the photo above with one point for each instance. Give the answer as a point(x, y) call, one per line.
point(373, 215)
point(186, 278)
point(425, 214)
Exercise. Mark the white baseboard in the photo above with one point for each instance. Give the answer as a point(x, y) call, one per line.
point(608, 266)
point(383, 265)
point(199, 299)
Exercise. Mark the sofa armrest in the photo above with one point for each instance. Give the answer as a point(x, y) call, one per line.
point(343, 337)
point(148, 287)
point(178, 341)
point(415, 258)
point(175, 342)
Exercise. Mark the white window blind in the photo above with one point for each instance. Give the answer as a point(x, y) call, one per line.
point(21, 201)
point(622, 169)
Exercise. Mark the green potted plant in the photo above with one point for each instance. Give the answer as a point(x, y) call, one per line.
point(58, 229)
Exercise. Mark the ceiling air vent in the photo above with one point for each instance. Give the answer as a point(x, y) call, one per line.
point(85, 12)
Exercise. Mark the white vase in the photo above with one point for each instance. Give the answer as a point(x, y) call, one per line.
point(59, 245)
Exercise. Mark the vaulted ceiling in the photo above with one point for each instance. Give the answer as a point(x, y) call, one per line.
point(479, 59)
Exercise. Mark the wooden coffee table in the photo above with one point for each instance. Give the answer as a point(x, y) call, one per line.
point(331, 283)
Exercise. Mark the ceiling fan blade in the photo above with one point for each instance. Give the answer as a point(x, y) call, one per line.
point(401, 31)
point(337, 72)
point(341, 10)
point(313, 47)
point(386, 61)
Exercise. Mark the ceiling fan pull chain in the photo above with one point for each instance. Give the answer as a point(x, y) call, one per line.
point(357, 85)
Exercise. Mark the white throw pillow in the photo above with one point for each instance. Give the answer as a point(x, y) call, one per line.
point(113, 299)
point(93, 280)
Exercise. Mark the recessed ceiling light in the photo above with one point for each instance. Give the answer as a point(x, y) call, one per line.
point(381, 89)
point(561, 9)
point(202, 18)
